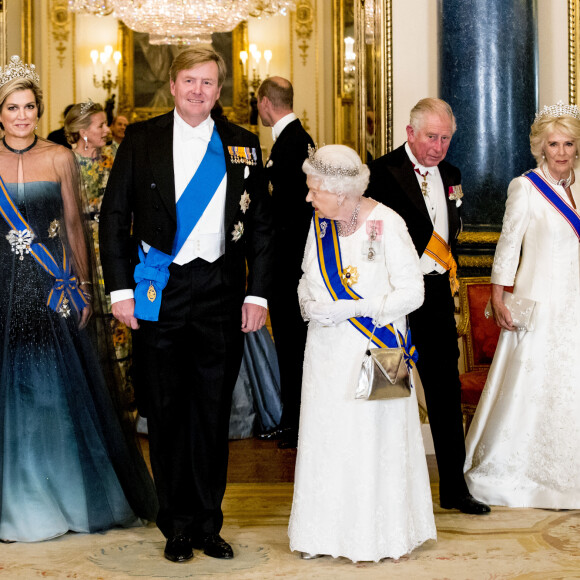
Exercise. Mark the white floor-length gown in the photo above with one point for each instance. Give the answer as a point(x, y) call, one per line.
point(361, 485)
point(523, 447)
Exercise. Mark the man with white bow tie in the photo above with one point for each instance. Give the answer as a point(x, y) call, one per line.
point(292, 217)
point(416, 182)
point(192, 193)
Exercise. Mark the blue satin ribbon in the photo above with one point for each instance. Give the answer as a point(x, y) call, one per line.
point(65, 283)
point(555, 201)
point(330, 264)
point(152, 273)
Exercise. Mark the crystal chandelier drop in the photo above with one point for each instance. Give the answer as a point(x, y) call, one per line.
point(182, 22)
point(94, 7)
point(270, 7)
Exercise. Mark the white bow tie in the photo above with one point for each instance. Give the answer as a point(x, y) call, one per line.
point(200, 132)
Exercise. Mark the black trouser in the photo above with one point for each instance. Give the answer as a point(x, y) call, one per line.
point(189, 361)
point(434, 334)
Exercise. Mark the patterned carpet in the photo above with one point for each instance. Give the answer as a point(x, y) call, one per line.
point(508, 544)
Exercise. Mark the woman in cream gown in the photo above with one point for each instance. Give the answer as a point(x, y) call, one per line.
point(522, 447)
point(361, 484)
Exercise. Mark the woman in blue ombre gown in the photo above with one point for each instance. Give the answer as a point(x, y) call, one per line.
point(67, 459)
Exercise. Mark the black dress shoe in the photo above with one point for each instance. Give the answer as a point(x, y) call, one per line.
point(271, 435)
point(215, 546)
point(178, 548)
point(289, 439)
point(466, 504)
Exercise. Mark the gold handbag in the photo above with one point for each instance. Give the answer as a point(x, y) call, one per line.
point(384, 373)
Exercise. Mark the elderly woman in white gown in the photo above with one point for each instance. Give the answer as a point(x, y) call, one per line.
point(522, 447)
point(361, 486)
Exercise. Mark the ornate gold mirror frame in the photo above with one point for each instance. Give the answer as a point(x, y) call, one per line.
point(3, 55)
point(573, 49)
point(363, 111)
point(144, 75)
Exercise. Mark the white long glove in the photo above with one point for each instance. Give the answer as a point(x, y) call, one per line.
point(331, 313)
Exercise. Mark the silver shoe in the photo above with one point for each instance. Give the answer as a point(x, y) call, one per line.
point(307, 556)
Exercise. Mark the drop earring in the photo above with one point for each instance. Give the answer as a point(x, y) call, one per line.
point(86, 143)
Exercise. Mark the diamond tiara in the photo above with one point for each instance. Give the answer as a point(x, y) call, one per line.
point(327, 168)
point(558, 110)
point(86, 106)
point(17, 70)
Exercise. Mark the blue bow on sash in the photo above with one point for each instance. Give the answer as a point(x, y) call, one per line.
point(152, 272)
point(555, 201)
point(330, 264)
point(65, 282)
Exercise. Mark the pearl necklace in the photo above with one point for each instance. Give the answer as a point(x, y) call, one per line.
point(342, 231)
point(565, 183)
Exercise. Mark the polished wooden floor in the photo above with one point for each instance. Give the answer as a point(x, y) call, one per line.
point(256, 461)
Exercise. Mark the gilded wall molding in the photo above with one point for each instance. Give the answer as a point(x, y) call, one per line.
point(61, 20)
point(3, 48)
point(304, 27)
point(466, 261)
point(27, 27)
point(478, 238)
point(573, 9)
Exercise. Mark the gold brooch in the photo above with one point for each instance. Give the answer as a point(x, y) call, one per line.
point(349, 275)
point(53, 229)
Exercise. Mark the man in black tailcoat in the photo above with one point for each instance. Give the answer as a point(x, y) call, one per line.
point(292, 217)
point(192, 193)
point(425, 191)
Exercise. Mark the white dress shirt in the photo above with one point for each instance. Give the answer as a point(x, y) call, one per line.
point(436, 206)
point(207, 239)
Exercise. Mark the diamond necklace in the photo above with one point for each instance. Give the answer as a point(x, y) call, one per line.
point(565, 183)
point(342, 231)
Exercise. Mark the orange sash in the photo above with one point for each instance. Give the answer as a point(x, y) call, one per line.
point(439, 250)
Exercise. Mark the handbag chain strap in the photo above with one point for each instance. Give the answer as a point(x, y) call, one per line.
point(376, 324)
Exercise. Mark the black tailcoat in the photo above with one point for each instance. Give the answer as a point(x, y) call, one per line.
point(187, 362)
point(394, 183)
point(292, 217)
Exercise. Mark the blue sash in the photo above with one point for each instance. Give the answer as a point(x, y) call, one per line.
point(152, 272)
point(65, 282)
point(330, 263)
point(555, 201)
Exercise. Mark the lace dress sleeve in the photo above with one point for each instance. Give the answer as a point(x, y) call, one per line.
point(309, 255)
point(515, 224)
point(402, 263)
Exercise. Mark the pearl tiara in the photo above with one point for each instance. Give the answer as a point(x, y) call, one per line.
point(18, 70)
point(558, 110)
point(328, 168)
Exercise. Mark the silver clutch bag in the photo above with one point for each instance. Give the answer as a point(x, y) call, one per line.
point(383, 375)
point(521, 310)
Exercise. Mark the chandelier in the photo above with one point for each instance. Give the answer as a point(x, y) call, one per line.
point(182, 22)
point(94, 7)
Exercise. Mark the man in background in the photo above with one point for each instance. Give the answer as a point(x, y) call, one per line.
point(118, 126)
point(292, 218)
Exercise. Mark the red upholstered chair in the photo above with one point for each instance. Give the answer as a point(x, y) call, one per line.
point(480, 335)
